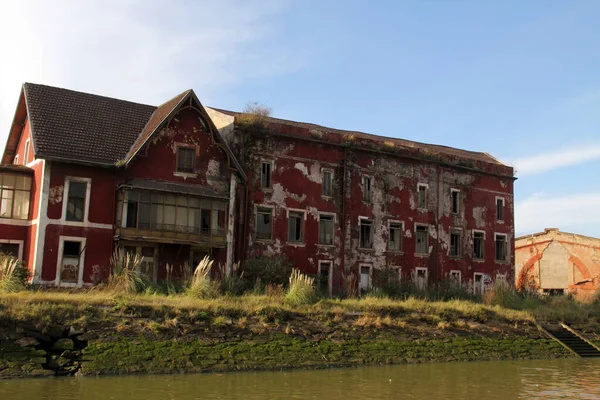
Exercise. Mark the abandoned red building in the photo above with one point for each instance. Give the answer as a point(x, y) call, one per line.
point(84, 174)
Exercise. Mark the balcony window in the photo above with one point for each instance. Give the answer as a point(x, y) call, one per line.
point(15, 191)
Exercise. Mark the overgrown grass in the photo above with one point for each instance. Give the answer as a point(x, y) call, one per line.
point(13, 275)
point(125, 274)
point(201, 285)
point(301, 290)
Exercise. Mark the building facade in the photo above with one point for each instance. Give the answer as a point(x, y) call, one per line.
point(176, 182)
point(556, 262)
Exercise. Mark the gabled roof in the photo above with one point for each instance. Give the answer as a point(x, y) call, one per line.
point(86, 128)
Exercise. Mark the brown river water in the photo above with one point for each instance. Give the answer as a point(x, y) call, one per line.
point(545, 379)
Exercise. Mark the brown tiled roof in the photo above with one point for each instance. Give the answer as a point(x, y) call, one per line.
point(15, 168)
point(158, 116)
point(430, 148)
point(83, 127)
point(170, 187)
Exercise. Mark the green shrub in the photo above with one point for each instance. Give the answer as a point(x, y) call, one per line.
point(301, 290)
point(125, 274)
point(262, 271)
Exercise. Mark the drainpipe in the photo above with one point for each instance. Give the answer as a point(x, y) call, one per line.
point(343, 222)
point(437, 227)
point(246, 219)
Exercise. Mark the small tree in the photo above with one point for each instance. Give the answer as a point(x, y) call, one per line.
point(254, 115)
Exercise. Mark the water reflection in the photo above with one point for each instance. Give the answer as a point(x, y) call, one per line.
point(486, 380)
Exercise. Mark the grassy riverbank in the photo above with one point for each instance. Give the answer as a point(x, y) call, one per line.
point(116, 334)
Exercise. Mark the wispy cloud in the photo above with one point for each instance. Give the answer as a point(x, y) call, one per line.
point(141, 50)
point(579, 213)
point(566, 157)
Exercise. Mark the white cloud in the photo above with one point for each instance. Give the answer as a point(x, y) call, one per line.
point(140, 50)
point(578, 213)
point(566, 157)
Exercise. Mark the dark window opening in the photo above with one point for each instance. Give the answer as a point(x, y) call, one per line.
point(500, 248)
point(366, 234)
point(455, 244)
point(205, 221)
point(367, 189)
point(265, 175)
point(324, 278)
point(76, 201)
point(500, 209)
point(422, 240)
point(186, 158)
point(10, 249)
point(455, 198)
point(478, 240)
point(422, 196)
point(295, 222)
point(395, 241)
point(326, 229)
point(327, 183)
point(263, 223)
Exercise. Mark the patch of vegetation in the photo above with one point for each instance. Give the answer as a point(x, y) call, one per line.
point(13, 274)
point(301, 290)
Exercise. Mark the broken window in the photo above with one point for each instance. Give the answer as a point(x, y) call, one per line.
point(455, 201)
point(395, 241)
point(265, 175)
point(295, 223)
point(324, 271)
point(326, 229)
point(186, 159)
point(366, 234)
point(421, 280)
point(455, 244)
point(422, 233)
point(366, 188)
point(15, 192)
point(500, 209)
point(422, 196)
point(263, 223)
point(455, 277)
point(327, 183)
point(76, 201)
point(70, 267)
point(478, 283)
point(501, 247)
point(478, 241)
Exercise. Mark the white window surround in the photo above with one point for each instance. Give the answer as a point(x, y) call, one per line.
point(478, 231)
point(26, 154)
point(398, 269)
point(360, 267)
point(506, 250)
point(332, 178)
point(501, 278)
point(86, 210)
point(401, 223)
point(452, 191)
point(482, 287)
point(329, 283)
point(417, 225)
point(425, 278)
point(61, 245)
point(303, 211)
point(19, 242)
point(503, 200)
point(456, 272)
point(319, 213)
point(256, 207)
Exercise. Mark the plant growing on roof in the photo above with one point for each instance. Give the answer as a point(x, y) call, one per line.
point(253, 117)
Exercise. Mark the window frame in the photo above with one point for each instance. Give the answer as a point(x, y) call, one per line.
point(15, 193)
point(329, 273)
point(258, 211)
point(505, 236)
point(367, 196)
point(333, 226)
point(271, 165)
point(21, 244)
point(475, 275)
point(60, 258)
point(370, 282)
point(474, 231)
point(425, 280)
point(86, 203)
point(183, 146)
point(417, 226)
point(425, 186)
point(457, 251)
point(302, 225)
point(330, 172)
point(400, 248)
point(26, 153)
point(455, 195)
point(500, 210)
point(360, 233)
point(452, 275)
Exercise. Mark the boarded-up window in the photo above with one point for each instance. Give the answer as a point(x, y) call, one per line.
point(326, 229)
point(422, 234)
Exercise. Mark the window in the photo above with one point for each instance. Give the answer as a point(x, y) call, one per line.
point(15, 192)
point(147, 261)
point(327, 183)
point(455, 277)
point(265, 175)
point(421, 278)
point(263, 223)
point(501, 279)
point(10, 249)
point(499, 208)
point(395, 240)
point(478, 241)
point(455, 247)
point(326, 229)
point(365, 280)
point(366, 234)
point(422, 240)
point(295, 224)
point(366, 188)
point(186, 159)
point(501, 248)
point(71, 263)
point(478, 283)
point(455, 200)
point(76, 201)
point(422, 195)
point(26, 156)
point(324, 274)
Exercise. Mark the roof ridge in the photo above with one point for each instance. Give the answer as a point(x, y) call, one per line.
point(88, 94)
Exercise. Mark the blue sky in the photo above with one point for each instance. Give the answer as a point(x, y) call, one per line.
point(517, 79)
